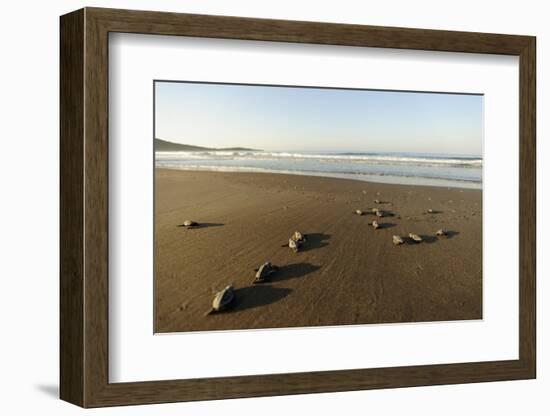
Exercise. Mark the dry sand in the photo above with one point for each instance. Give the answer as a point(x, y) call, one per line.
point(347, 273)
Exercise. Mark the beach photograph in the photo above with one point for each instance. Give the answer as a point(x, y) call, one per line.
point(295, 206)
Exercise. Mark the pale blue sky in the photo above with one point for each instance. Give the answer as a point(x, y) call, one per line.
point(315, 119)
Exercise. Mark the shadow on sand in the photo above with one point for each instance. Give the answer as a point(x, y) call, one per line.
point(255, 296)
point(430, 239)
point(202, 225)
point(384, 225)
point(293, 271)
point(314, 241)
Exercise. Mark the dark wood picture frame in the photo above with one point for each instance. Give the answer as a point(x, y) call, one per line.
point(84, 207)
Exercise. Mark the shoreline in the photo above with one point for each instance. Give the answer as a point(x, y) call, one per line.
point(369, 178)
point(348, 273)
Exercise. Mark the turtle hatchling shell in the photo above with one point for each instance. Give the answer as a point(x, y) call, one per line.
point(397, 240)
point(223, 299)
point(415, 237)
point(294, 245)
point(264, 271)
point(298, 236)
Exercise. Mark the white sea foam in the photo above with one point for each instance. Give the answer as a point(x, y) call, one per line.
point(458, 171)
point(348, 157)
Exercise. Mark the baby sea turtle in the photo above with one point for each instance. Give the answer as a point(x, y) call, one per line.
point(430, 211)
point(298, 237)
point(359, 212)
point(296, 241)
point(375, 210)
point(264, 271)
point(379, 214)
point(377, 201)
point(415, 237)
point(293, 244)
point(397, 240)
point(375, 225)
point(441, 232)
point(189, 224)
point(222, 300)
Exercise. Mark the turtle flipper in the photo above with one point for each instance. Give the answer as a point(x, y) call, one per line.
point(210, 312)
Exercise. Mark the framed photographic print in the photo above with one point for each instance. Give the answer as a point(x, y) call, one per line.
point(255, 207)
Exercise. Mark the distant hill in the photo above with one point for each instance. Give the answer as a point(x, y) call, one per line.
point(166, 146)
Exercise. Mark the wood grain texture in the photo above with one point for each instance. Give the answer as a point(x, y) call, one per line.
point(96, 218)
point(162, 23)
point(71, 213)
point(84, 207)
point(528, 207)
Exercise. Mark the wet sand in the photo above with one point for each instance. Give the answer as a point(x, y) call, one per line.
point(347, 272)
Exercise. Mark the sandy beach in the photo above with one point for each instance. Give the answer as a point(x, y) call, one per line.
point(347, 272)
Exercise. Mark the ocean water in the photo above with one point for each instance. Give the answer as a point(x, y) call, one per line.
point(400, 168)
